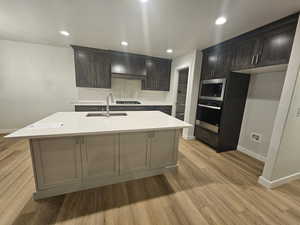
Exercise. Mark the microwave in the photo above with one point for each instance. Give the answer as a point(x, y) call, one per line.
point(213, 89)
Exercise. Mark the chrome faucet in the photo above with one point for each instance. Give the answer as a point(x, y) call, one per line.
point(111, 97)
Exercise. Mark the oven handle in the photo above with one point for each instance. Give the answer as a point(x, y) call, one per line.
point(209, 106)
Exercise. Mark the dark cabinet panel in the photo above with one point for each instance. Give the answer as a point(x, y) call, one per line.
point(217, 63)
point(224, 62)
point(245, 53)
point(158, 74)
point(265, 46)
point(276, 46)
point(209, 64)
point(163, 108)
point(206, 136)
point(128, 64)
point(101, 64)
point(92, 67)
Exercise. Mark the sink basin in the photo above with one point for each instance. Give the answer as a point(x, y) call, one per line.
point(105, 115)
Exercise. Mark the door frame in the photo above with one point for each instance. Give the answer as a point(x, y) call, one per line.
point(182, 67)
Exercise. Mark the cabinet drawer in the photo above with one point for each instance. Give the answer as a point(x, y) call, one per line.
point(206, 136)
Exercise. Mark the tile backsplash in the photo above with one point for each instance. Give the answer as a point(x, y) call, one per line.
point(122, 89)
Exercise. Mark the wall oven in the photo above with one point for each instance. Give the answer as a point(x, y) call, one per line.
point(209, 115)
point(213, 89)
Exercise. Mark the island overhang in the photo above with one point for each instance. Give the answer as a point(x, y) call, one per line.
point(78, 124)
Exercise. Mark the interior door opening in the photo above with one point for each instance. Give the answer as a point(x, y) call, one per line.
point(181, 93)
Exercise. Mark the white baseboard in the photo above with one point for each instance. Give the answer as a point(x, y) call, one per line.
point(276, 183)
point(189, 138)
point(6, 131)
point(251, 153)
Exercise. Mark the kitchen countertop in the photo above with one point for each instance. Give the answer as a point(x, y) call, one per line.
point(77, 124)
point(103, 103)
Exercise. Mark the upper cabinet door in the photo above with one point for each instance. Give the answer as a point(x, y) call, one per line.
point(209, 63)
point(92, 67)
point(223, 66)
point(102, 69)
point(245, 52)
point(85, 76)
point(276, 46)
point(158, 74)
point(128, 64)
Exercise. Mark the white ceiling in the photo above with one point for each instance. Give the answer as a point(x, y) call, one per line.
point(150, 28)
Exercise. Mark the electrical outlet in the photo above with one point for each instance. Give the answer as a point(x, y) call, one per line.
point(256, 137)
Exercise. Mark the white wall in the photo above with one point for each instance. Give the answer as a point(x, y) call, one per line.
point(288, 159)
point(283, 160)
point(193, 61)
point(35, 81)
point(260, 111)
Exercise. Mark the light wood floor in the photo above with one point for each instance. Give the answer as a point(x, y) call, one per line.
point(208, 188)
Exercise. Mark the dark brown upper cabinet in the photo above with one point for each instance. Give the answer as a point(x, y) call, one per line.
point(265, 49)
point(210, 59)
point(276, 46)
point(127, 64)
point(158, 74)
point(95, 68)
point(266, 46)
point(224, 61)
point(92, 67)
point(245, 54)
point(217, 62)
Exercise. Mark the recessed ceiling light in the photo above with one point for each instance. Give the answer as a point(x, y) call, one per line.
point(65, 33)
point(169, 51)
point(144, 0)
point(221, 20)
point(124, 43)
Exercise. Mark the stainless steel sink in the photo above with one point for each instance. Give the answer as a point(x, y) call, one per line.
point(105, 115)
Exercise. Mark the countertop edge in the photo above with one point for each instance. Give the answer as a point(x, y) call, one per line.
point(95, 133)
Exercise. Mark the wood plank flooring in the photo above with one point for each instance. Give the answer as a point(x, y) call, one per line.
point(208, 188)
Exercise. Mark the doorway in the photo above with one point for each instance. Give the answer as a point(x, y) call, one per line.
point(181, 93)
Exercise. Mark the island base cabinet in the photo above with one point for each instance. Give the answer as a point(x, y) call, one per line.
point(100, 156)
point(69, 164)
point(164, 145)
point(56, 162)
point(134, 151)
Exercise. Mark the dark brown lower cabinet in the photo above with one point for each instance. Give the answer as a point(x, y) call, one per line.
point(87, 108)
point(206, 136)
point(232, 112)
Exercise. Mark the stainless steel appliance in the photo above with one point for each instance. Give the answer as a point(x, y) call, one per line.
point(213, 89)
point(209, 115)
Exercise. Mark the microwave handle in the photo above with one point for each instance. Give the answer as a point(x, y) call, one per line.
point(210, 107)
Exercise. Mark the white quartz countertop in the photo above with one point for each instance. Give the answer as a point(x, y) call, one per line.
point(103, 103)
point(77, 124)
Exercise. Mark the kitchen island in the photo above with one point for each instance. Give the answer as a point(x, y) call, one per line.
point(73, 151)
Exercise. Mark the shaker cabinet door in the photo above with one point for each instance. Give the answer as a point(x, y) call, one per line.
point(92, 67)
point(158, 74)
point(84, 70)
point(100, 155)
point(224, 62)
point(163, 149)
point(245, 52)
point(277, 46)
point(209, 64)
point(134, 150)
point(57, 160)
